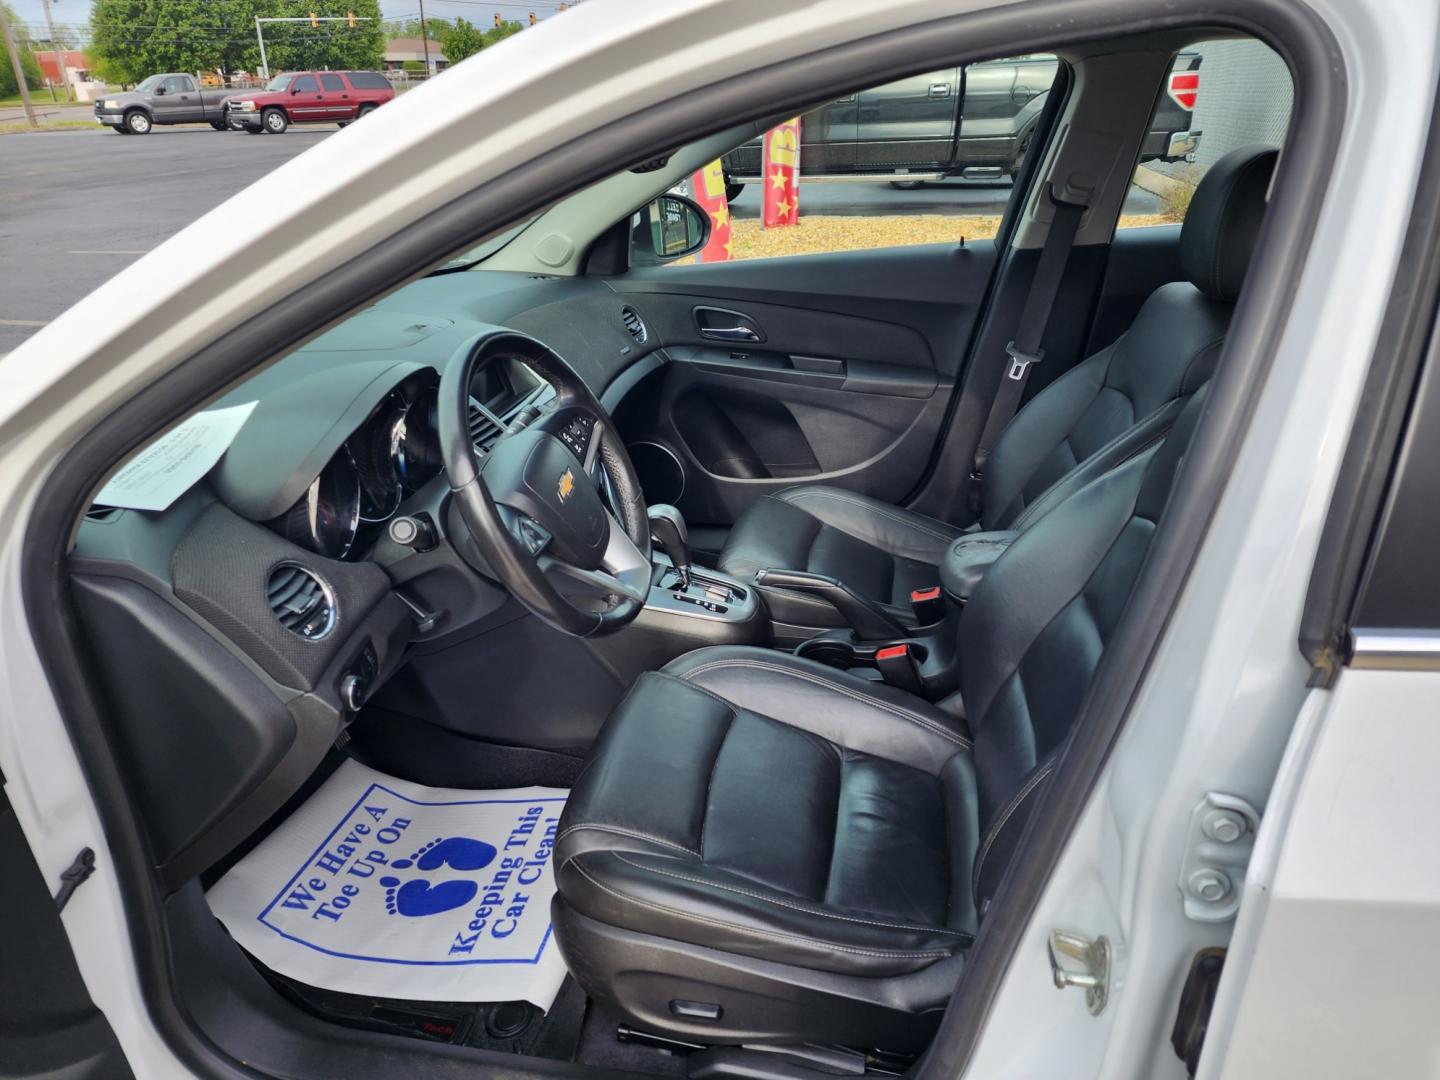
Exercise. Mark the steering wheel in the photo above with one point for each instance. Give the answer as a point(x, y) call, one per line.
point(532, 504)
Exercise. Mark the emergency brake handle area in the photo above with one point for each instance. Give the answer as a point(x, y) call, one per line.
point(869, 621)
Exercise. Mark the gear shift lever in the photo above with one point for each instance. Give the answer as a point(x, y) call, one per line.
point(667, 528)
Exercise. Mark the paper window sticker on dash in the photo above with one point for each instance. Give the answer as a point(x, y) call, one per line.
point(172, 464)
point(381, 887)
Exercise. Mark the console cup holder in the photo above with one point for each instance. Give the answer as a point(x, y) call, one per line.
point(839, 653)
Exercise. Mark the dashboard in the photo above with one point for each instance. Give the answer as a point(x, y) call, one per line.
point(245, 623)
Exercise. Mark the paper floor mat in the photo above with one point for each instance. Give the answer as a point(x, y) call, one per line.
point(382, 887)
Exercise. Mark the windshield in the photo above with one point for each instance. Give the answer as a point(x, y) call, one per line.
point(279, 82)
point(149, 84)
point(489, 247)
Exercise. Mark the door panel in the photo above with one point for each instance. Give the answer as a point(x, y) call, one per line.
point(336, 97)
point(847, 383)
point(910, 122)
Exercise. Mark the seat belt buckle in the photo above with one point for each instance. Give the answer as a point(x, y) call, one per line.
point(928, 605)
point(897, 666)
point(1020, 361)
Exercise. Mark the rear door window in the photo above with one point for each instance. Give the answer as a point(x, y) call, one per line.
point(333, 83)
point(1218, 95)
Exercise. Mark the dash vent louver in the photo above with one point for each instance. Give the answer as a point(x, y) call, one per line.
point(301, 602)
point(634, 324)
point(486, 426)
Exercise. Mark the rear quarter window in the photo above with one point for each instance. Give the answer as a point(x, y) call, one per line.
point(368, 80)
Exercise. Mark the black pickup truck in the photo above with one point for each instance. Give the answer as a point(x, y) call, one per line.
point(974, 122)
point(170, 98)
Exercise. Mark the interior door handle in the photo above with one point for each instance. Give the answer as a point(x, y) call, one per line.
point(729, 333)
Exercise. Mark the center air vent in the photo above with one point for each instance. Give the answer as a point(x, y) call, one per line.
point(631, 318)
point(301, 601)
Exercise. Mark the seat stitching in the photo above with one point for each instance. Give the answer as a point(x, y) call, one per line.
point(793, 906)
point(914, 718)
point(1005, 814)
point(886, 954)
point(627, 832)
point(710, 780)
point(804, 493)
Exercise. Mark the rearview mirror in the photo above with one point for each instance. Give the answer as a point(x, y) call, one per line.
point(671, 227)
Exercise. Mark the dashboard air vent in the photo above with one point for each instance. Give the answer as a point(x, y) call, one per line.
point(633, 323)
point(486, 426)
point(301, 601)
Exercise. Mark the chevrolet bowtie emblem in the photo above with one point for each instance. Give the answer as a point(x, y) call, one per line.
point(566, 485)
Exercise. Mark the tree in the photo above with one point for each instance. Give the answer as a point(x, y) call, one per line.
point(23, 45)
point(501, 32)
point(131, 39)
point(403, 28)
point(461, 40)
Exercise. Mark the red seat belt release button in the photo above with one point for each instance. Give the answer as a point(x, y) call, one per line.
point(896, 664)
point(928, 605)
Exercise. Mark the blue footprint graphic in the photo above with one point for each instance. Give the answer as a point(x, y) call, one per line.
point(456, 852)
point(419, 897)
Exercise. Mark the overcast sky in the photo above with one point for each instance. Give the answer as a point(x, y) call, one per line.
point(76, 13)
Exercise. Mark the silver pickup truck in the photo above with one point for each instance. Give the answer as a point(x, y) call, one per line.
point(973, 121)
point(169, 98)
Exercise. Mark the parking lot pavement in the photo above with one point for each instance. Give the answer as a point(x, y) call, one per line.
point(78, 206)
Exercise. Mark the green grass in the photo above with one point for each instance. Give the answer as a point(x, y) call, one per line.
point(40, 99)
point(12, 127)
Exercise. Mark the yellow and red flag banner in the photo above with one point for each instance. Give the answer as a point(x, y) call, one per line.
point(780, 172)
point(708, 184)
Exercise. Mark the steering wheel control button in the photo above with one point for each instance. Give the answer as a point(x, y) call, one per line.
point(576, 435)
point(417, 533)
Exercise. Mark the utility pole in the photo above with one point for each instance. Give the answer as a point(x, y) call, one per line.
point(18, 68)
point(424, 39)
point(59, 52)
point(264, 64)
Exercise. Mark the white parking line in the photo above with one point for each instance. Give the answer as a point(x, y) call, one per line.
point(22, 322)
point(145, 251)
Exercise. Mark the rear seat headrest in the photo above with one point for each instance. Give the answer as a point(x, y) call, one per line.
point(1220, 227)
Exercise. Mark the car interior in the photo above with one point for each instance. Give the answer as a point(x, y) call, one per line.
point(788, 576)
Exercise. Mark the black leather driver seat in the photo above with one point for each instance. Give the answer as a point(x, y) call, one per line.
point(1082, 425)
point(763, 849)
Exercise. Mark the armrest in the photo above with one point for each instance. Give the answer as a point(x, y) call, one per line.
point(867, 618)
point(967, 559)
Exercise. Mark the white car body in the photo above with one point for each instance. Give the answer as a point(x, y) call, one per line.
point(1329, 973)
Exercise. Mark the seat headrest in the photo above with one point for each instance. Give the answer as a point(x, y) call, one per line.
point(1223, 220)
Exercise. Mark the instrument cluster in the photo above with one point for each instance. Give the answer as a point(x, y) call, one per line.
point(393, 454)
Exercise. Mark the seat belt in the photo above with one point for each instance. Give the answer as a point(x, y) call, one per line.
point(1025, 350)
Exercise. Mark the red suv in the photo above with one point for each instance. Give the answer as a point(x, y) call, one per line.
point(308, 97)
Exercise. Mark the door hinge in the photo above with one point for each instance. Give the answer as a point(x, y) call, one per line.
point(1088, 966)
point(1217, 852)
point(73, 877)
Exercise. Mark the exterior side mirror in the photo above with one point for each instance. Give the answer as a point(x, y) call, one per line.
point(159, 91)
point(675, 226)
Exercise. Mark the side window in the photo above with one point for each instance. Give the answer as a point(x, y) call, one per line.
point(368, 80)
point(178, 84)
point(926, 159)
point(332, 82)
point(1219, 95)
point(305, 84)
